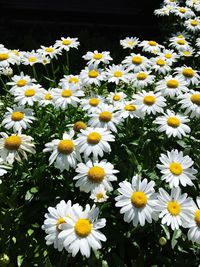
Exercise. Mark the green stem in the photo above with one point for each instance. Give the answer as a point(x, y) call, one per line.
point(35, 73)
point(67, 61)
point(52, 68)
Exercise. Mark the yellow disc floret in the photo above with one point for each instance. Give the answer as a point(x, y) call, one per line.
point(141, 76)
point(168, 55)
point(149, 100)
point(137, 60)
point(3, 56)
point(21, 83)
point(105, 116)
point(13, 142)
point(139, 199)
point(66, 93)
point(93, 73)
point(29, 92)
point(118, 73)
point(174, 208)
point(176, 168)
point(48, 96)
point(99, 196)
point(94, 102)
point(73, 80)
point(195, 98)
point(49, 49)
point(116, 97)
point(172, 83)
point(17, 116)
point(160, 62)
point(188, 72)
point(32, 59)
point(98, 56)
point(130, 107)
point(173, 122)
point(152, 43)
point(83, 227)
point(79, 125)
point(197, 217)
point(66, 42)
point(96, 174)
point(66, 146)
point(93, 138)
point(181, 41)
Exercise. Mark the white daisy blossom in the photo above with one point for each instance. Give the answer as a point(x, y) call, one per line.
point(171, 2)
point(129, 42)
point(66, 96)
point(128, 109)
point(7, 71)
point(14, 146)
point(176, 169)
point(136, 62)
point(99, 194)
point(53, 221)
point(49, 51)
point(115, 98)
point(106, 117)
point(151, 46)
point(192, 25)
point(31, 58)
point(149, 102)
point(20, 81)
point(18, 118)
point(141, 79)
point(187, 52)
point(194, 223)
point(6, 57)
point(164, 11)
point(137, 201)
point(174, 209)
point(117, 73)
point(64, 152)
point(70, 79)
point(191, 103)
point(92, 75)
point(67, 43)
point(190, 75)
point(173, 124)
point(94, 141)
point(47, 97)
point(92, 175)
point(95, 58)
point(81, 231)
point(172, 86)
point(92, 104)
point(169, 55)
point(179, 43)
point(160, 65)
point(183, 12)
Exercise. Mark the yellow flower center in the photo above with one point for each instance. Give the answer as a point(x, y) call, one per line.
point(105, 116)
point(172, 83)
point(83, 227)
point(176, 168)
point(116, 97)
point(160, 62)
point(17, 116)
point(118, 73)
point(29, 92)
point(94, 102)
point(139, 199)
point(48, 96)
point(197, 217)
point(66, 93)
point(173, 122)
point(194, 22)
point(137, 60)
point(60, 221)
point(182, 10)
point(93, 73)
point(187, 72)
point(66, 42)
point(32, 59)
point(66, 146)
point(180, 36)
point(98, 56)
point(73, 80)
point(195, 98)
point(174, 208)
point(149, 100)
point(96, 174)
point(12, 142)
point(186, 53)
point(21, 83)
point(130, 107)
point(93, 138)
point(99, 196)
point(141, 76)
point(152, 43)
point(130, 43)
point(3, 56)
point(168, 55)
point(79, 125)
point(49, 49)
point(181, 41)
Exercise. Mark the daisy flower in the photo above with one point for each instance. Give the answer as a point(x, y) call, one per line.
point(92, 104)
point(192, 25)
point(151, 46)
point(194, 224)
point(115, 98)
point(149, 102)
point(47, 97)
point(20, 81)
point(70, 79)
point(64, 152)
point(170, 56)
point(136, 62)
point(67, 43)
point(183, 12)
point(99, 194)
point(117, 73)
point(6, 57)
point(81, 231)
point(94, 141)
point(7, 71)
point(188, 74)
point(191, 103)
point(137, 200)
point(171, 86)
point(188, 52)
point(92, 75)
point(179, 43)
point(93, 174)
point(12, 146)
point(79, 125)
point(49, 51)
point(171, 2)
point(53, 220)
point(66, 96)
point(31, 58)
point(95, 58)
point(174, 209)
point(142, 79)
point(128, 109)
point(176, 169)
point(164, 11)
point(160, 65)
point(173, 124)
point(18, 118)
point(129, 42)
point(106, 117)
